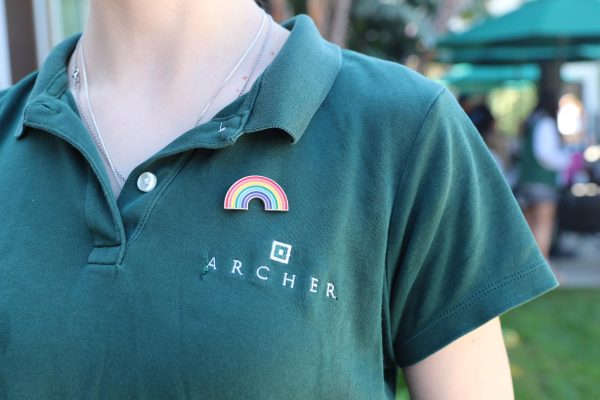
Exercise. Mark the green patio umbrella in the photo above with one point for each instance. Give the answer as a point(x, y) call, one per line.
point(517, 55)
point(494, 74)
point(549, 32)
point(482, 78)
point(469, 78)
point(536, 23)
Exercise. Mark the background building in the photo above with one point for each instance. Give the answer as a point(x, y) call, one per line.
point(30, 28)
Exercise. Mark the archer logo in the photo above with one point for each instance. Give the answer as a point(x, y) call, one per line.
point(281, 252)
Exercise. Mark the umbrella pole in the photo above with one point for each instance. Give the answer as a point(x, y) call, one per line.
point(550, 81)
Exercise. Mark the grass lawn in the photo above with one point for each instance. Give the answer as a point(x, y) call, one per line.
point(554, 346)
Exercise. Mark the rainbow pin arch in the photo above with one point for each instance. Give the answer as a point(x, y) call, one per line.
point(252, 187)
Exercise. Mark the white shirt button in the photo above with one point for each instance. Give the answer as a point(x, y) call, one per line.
point(146, 182)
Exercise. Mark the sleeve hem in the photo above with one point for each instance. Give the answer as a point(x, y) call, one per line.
point(479, 308)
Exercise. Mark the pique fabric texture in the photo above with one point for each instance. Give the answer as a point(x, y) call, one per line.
point(401, 236)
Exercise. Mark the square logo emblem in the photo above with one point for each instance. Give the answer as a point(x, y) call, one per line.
point(281, 252)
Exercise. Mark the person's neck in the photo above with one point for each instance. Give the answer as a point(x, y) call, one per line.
point(166, 41)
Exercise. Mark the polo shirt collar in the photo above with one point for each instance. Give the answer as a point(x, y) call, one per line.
point(296, 83)
point(286, 97)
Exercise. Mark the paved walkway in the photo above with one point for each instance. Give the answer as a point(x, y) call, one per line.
point(583, 269)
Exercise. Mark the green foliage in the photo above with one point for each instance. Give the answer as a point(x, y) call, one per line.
point(395, 29)
point(554, 352)
point(401, 388)
point(392, 29)
point(511, 105)
point(552, 345)
point(299, 6)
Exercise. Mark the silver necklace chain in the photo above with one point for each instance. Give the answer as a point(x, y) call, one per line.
point(262, 49)
point(92, 125)
point(119, 178)
point(233, 71)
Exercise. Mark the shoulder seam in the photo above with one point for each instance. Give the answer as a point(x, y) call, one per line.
point(414, 140)
point(397, 190)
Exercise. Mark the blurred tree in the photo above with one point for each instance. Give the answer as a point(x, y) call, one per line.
point(279, 9)
point(391, 29)
point(332, 18)
point(396, 29)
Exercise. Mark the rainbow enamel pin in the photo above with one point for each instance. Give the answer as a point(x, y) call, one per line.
point(242, 192)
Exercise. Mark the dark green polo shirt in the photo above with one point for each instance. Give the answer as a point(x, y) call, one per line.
point(400, 236)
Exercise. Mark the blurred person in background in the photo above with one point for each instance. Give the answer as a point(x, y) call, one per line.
point(484, 121)
point(543, 159)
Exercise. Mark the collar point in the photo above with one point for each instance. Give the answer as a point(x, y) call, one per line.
point(294, 134)
point(19, 131)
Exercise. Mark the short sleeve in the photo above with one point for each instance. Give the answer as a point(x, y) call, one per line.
point(460, 252)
